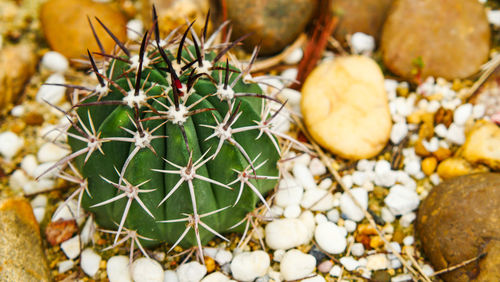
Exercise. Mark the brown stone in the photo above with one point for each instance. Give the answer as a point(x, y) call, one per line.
point(17, 65)
point(65, 25)
point(439, 34)
point(274, 24)
point(59, 231)
point(365, 16)
point(21, 254)
point(460, 220)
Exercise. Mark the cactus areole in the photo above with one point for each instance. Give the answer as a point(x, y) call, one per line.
point(172, 145)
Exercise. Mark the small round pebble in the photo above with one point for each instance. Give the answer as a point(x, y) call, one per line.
point(330, 237)
point(147, 270)
point(286, 233)
point(362, 43)
point(333, 215)
point(51, 93)
point(377, 262)
point(215, 277)
point(462, 114)
point(349, 263)
point(247, 266)
point(296, 265)
point(50, 152)
point(89, 261)
point(10, 144)
point(292, 211)
point(357, 249)
point(191, 272)
point(170, 276)
point(350, 225)
point(349, 208)
point(117, 269)
point(401, 200)
point(408, 240)
point(325, 266)
point(304, 176)
point(55, 61)
point(294, 57)
point(134, 29)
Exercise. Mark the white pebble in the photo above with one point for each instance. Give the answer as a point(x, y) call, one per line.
point(247, 266)
point(462, 114)
point(349, 208)
point(286, 233)
point(407, 219)
point(65, 265)
point(398, 132)
point(71, 247)
point(289, 192)
point(38, 204)
point(395, 247)
point(377, 262)
point(215, 277)
point(325, 184)
point(296, 265)
point(385, 179)
point(335, 271)
point(88, 230)
point(292, 97)
point(89, 261)
point(317, 167)
point(408, 240)
point(278, 255)
point(362, 43)
point(290, 74)
point(456, 134)
point(317, 199)
point(330, 238)
point(382, 166)
point(401, 200)
point(317, 278)
point(50, 152)
point(333, 215)
point(51, 93)
point(170, 276)
point(304, 176)
point(18, 111)
point(402, 278)
point(391, 86)
point(365, 165)
point(434, 178)
point(427, 270)
point(433, 106)
point(292, 211)
point(222, 257)
point(347, 181)
point(117, 269)
point(494, 17)
point(294, 57)
point(134, 29)
point(412, 167)
point(431, 145)
point(147, 270)
point(441, 130)
point(359, 177)
point(357, 249)
point(478, 111)
point(191, 272)
point(55, 62)
point(29, 164)
point(320, 218)
point(67, 212)
point(349, 263)
point(10, 144)
point(349, 225)
point(387, 215)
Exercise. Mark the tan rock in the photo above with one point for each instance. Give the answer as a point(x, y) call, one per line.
point(429, 165)
point(345, 107)
point(460, 220)
point(457, 166)
point(365, 16)
point(17, 65)
point(441, 33)
point(482, 144)
point(272, 24)
point(65, 25)
point(21, 255)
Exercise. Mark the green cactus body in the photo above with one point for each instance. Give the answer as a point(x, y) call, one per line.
point(183, 171)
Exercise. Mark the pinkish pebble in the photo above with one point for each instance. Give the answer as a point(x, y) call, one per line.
point(325, 266)
point(496, 118)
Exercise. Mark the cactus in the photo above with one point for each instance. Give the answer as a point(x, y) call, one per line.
point(172, 145)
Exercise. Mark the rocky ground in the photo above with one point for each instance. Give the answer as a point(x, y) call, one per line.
point(387, 118)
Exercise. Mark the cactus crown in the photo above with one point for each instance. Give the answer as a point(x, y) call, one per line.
point(172, 145)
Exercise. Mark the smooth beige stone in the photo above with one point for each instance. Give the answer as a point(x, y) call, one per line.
point(456, 166)
point(21, 254)
point(483, 144)
point(345, 107)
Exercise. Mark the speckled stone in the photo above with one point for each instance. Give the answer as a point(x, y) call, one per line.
point(459, 220)
point(21, 255)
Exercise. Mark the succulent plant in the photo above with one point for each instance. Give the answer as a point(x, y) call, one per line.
point(173, 145)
